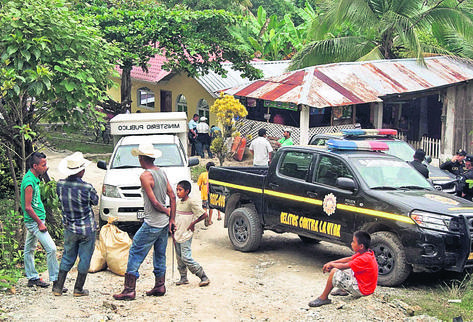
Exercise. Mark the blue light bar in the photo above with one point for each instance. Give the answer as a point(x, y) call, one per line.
point(357, 145)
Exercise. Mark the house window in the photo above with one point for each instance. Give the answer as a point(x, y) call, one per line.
point(146, 98)
point(203, 108)
point(181, 103)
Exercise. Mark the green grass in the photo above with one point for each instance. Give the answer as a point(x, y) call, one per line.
point(434, 301)
point(196, 171)
point(76, 141)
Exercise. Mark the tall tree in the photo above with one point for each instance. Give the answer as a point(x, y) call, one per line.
point(194, 42)
point(53, 66)
point(376, 29)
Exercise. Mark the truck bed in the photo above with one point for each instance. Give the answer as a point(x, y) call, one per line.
point(247, 176)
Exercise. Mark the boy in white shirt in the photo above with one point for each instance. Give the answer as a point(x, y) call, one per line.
point(188, 213)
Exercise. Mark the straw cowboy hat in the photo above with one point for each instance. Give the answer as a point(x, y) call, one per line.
point(146, 149)
point(73, 164)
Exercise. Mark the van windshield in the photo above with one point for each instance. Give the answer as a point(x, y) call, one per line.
point(171, 157)
point(390, 174)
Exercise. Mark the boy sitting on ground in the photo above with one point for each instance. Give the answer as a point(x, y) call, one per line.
point(356, 275)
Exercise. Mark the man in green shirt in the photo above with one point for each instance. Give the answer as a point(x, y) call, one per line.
point(35, 215)
point(286, 139)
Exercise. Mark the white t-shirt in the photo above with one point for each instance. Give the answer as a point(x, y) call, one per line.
point(261, 149)
point(186, 212)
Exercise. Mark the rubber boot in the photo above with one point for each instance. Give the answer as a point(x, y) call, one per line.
point(159, 288)
point(58, 285)
point(183, 279)
point(79, 286)
point(204, 280)
point(128, 292)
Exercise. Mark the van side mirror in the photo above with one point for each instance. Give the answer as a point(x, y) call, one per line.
point(102, 165)
point(428, 159)
point(193, 161)
point(346, 183)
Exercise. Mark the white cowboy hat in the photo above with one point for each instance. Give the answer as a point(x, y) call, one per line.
point(146, 149)
point(73, 164)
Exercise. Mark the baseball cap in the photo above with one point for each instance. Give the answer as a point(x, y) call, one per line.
point(288, 130)
point(461, 152)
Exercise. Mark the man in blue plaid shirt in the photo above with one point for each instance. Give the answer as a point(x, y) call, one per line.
point(76, 197)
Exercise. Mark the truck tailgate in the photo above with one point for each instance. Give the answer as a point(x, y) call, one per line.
point(225, 181)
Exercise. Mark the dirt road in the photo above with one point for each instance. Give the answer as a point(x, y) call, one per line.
point(274, 283)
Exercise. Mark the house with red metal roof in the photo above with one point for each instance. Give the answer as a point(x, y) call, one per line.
point(431, 100)
point(159, 90)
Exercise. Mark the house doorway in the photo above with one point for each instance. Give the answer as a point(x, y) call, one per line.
point(166, 101)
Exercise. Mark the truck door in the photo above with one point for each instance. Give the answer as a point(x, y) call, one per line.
point(301, 197)
point(332, 198)
point(285, 190)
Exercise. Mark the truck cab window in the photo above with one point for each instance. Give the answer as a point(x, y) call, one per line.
point(296, 165)
point(329, 170)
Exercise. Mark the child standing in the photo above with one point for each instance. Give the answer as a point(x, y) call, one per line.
point(356, 275)
point(188, 213)
point(203, 183)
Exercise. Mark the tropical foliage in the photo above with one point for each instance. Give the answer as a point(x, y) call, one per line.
point(53, 66)
point(376, 29)
point(193, 42)
point(271, 38)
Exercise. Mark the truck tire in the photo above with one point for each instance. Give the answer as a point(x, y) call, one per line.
point(244, 229)
point(308, 240)
point(393, 268)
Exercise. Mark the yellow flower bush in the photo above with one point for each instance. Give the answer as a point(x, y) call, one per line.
point(226, 108)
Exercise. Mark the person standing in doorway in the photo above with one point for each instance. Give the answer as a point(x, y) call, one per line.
point(261, 149)
point(34, 217)
point(76, 198)
point(158, 221)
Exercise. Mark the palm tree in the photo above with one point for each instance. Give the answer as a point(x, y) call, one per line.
point(357, 30)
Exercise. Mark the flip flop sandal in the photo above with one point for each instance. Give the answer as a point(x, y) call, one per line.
point(319, 302)
point(339, 292)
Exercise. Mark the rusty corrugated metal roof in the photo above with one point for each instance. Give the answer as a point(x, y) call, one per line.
point(357, 82)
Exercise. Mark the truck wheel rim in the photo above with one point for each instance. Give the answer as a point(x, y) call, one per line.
point(385, 259)
point(240, 230)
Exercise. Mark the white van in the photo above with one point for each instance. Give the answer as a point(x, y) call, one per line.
point(121, 191)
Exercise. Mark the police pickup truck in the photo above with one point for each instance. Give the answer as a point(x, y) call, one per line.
point(328, 193)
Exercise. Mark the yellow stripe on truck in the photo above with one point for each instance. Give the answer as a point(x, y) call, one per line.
point(365, 211)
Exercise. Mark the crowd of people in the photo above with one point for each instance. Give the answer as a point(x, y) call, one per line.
point(76, 200)
point(355, 275)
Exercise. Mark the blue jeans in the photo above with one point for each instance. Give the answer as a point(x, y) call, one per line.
point(184, 258)
point(76, 244)
point(144, 239)
point(33, 235)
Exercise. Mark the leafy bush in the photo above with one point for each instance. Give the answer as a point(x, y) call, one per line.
point(53, 212)
point(6, 181)
point(11, 245)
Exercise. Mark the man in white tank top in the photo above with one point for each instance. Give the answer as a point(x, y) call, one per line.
point(158, 221)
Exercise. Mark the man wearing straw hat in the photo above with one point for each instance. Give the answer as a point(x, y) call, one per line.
point(158, 220)
point(76, 197)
